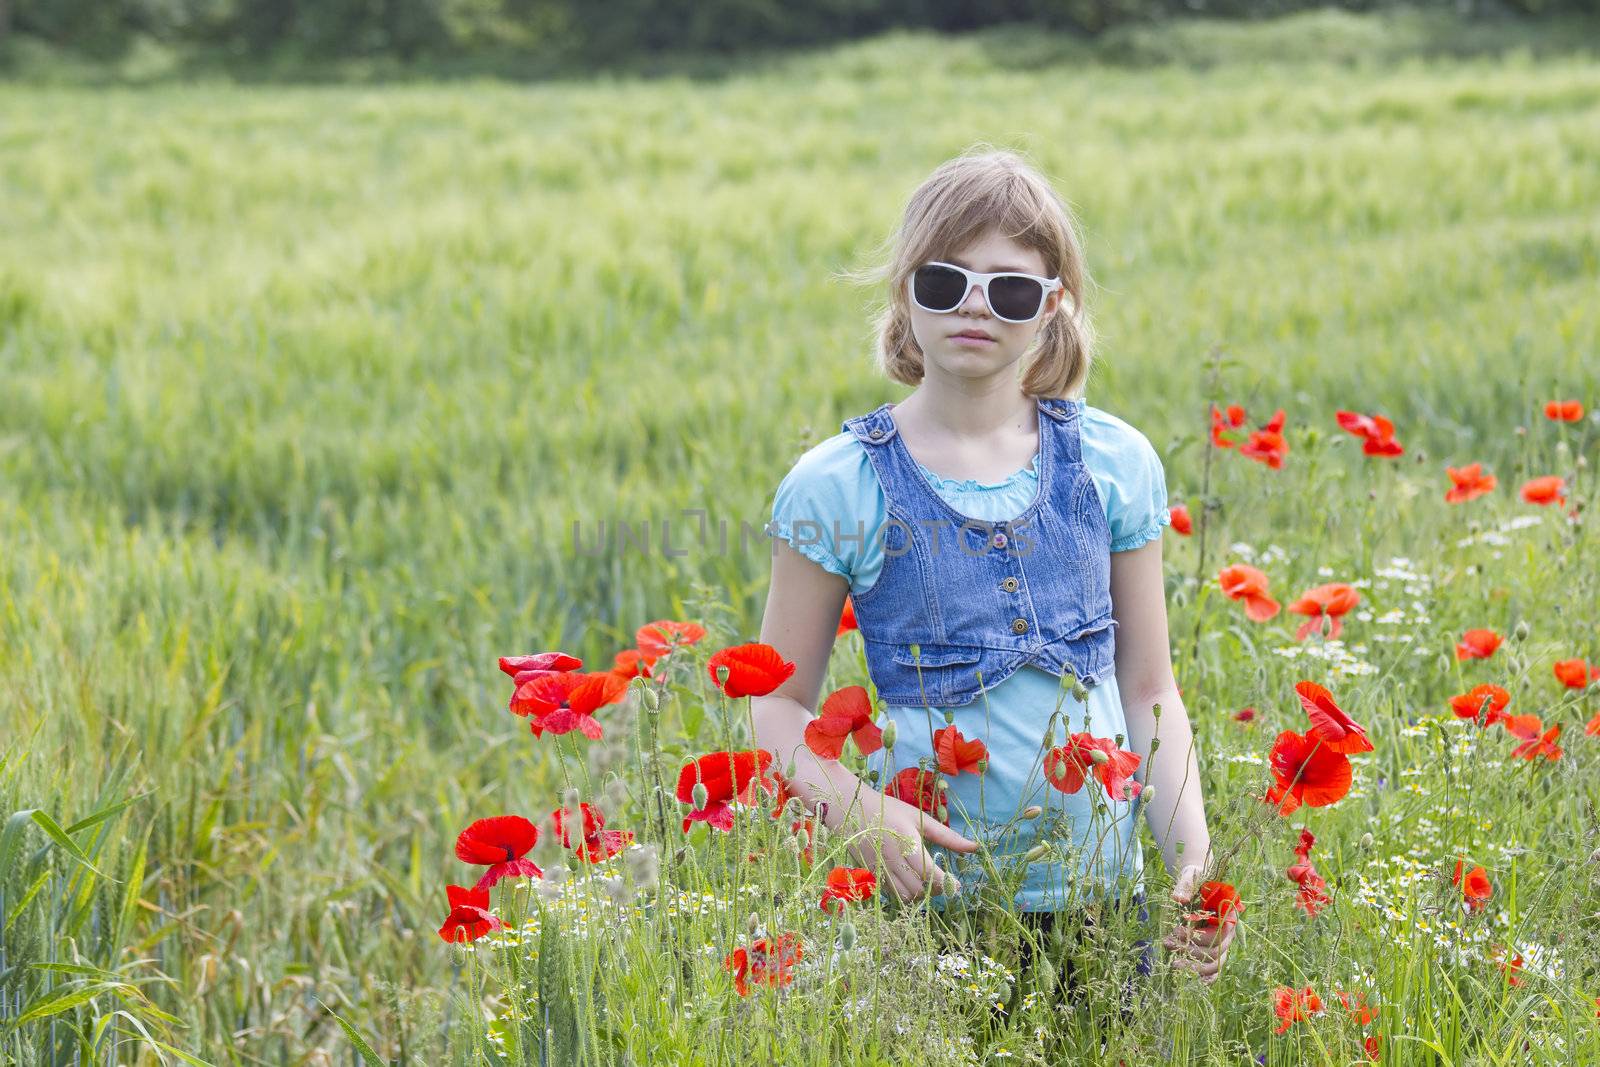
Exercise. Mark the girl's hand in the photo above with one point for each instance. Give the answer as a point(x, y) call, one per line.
point(1196, 945)
point(899, 831)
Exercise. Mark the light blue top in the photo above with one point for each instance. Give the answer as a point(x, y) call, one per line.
point(835, 487)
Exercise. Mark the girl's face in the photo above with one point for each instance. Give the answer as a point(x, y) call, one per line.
point(970, 342)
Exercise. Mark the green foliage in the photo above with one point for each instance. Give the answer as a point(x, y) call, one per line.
point(577, 35)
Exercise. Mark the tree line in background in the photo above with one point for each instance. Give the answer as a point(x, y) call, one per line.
point(592, 29)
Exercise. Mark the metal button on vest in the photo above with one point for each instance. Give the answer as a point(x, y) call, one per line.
point(999, 540)
point(1019, 626)
point(877, 433)
point(1010, 585)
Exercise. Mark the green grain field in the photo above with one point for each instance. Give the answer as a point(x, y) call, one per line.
point(311, 397)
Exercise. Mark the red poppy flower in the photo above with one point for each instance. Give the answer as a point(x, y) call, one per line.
point(1361, 1013)
point(1533, 745)
point(662, 637)
point(846, 713)
point(1329, 601)
point(1575, 674)
point(956, 754)
point(1477, 644)
point(631, 663)
point(1467, 704)
point(469, 917)
point(543, 661)
point(1508, 968)
point(1221, 423)
point(1563, 410)
point(768, 961)
point(1181, 522)
point(1377, 433)
point(1306, 772)
point(561, 703)
point(524, 670)
point(1244, 715)
point(500, 844)
point(1475, 887)
point(847, 618)
point(595, 843)
point(1312, 895)
point(1267, 445)
point(754, 669)
point(1066, 766)
point(729, 777)
point(1218, 905)
point(847, 885)
point(1294, 1005)
point(920, 788)
point(1373, 1046)
point(1593, 729)
point(1548, 489)
point(1329, 724)
point(1244, 582)
point(1467, 483)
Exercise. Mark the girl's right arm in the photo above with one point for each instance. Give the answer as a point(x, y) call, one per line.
point(804, 603)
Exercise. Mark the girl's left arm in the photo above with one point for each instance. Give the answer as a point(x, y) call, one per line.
point(1144, 678)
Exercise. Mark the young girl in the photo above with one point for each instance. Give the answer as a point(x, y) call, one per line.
point(994, 532)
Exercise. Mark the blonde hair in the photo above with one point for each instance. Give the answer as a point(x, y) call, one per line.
point(983, 189)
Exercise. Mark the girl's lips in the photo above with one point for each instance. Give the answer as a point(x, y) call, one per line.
point(969, 339)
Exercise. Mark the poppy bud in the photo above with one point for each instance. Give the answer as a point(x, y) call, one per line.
point(873, 777)
point(1521, 631)
point(789, 770)
point(1121, 740)
point(949, 717)
point(916, 651)
point(678, 856)
point(1046, 971)
point(752, 924)
point(1444, 663)
point(983, 765)
point(1096, 756)
point(1036, 853)
point(1155, 711)
point(794, 845)
point(1079, 693)
point(1148, 795)
point(889, 733)
point(1366, 842)
point(700, 794)
point(847, 936)
point(1050, 737)
point(1155, 743)
point(1032, 811)
point(651, 698)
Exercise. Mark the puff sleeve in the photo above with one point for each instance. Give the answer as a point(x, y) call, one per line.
point(1132, 478)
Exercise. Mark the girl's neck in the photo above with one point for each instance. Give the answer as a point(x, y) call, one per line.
point(975, 413)
point(984, 434)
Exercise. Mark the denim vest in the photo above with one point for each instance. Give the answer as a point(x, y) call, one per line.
point(981, 596)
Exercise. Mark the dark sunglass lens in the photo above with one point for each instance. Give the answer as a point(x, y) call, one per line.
point(1015, 297)
point(938, 288)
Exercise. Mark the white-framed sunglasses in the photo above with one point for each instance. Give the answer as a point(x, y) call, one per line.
point(1011, 296)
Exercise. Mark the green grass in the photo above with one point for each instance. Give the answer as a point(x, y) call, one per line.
point(305, 387)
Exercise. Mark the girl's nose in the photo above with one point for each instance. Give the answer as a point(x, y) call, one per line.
point(974, 301)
